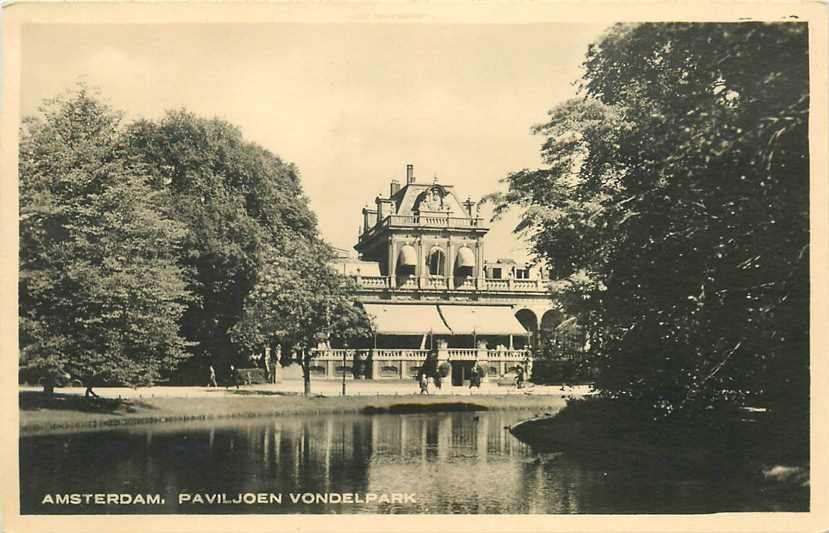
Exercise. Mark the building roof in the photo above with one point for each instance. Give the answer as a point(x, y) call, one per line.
point(432, 197)
point(355, 267)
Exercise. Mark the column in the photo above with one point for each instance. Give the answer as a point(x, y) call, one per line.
point(421, 271)
point(450, 265)
point(392, 264)
point(481, 257)
point(443, 357)
point(375, 366)
point(482, 360)
point(480, 275)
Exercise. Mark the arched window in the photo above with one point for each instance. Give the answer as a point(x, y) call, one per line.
point(437, 262)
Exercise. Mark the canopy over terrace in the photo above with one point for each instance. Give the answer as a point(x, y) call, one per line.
point(411, 335)
point(481, 320)
point(443, 319)
point(407, 319)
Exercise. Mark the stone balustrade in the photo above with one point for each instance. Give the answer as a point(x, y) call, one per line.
point(405, 363)
point(441, 283)
point(507, 355)
point(402, 354)
point(407, 354)
point(430, 220)
point(463, 354)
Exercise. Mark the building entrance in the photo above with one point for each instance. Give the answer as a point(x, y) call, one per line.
point(461, 372)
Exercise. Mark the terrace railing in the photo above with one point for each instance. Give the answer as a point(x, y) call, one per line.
point(400, 353)
point(463, 354)
point(508, 355)
point(408, 354)
point(441, 283)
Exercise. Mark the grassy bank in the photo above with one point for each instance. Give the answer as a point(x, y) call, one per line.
point(40, 413)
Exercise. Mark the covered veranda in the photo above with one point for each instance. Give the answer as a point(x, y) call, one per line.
point(457, 335)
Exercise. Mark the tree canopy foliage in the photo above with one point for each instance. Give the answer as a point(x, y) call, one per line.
point(674, 207)
point(141, 245)
point(101, 290)
point(242, 207)
point(299, 300)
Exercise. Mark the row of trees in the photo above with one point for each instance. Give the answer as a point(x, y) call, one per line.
point(162, 245)
point(674, 207)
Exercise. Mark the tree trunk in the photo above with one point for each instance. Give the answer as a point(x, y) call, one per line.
point(306, 371)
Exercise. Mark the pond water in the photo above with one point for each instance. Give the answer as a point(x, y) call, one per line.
point(444, 463)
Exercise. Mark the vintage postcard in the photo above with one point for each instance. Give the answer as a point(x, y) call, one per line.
point(407, 266)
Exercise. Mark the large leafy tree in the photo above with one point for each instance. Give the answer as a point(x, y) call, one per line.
point(299, 301)
point(101, 290)
point(237, 200)
point(674, 207)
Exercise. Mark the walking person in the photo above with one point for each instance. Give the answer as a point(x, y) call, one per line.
point(424, 384)
point(234, 377)
point(519, 377)
point(212, 380)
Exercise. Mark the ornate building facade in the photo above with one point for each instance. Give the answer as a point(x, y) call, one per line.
point(422, 274)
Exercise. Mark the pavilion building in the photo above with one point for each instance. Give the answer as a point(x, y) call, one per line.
point(423, 276)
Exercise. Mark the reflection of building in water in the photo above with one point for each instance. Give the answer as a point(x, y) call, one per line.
point(457, 462)
point(423, 276)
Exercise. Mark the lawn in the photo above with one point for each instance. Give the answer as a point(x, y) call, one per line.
point(40, 413)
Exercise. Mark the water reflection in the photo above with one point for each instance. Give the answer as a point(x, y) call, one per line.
point(454, 463)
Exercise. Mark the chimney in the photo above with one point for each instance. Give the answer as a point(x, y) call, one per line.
point(380, 213)
point(410, 174)
point(395, 186)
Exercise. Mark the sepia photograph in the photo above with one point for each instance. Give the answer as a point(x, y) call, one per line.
point(414, 267)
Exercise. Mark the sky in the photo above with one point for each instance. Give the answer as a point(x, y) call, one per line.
point(349, 104)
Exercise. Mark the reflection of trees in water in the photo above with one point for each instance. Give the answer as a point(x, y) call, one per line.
point(455, 463)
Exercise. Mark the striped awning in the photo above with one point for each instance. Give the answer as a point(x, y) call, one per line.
point(481, 320)
point(408, 256)
point(466, 258)
point(443, 319)
point(407, 319)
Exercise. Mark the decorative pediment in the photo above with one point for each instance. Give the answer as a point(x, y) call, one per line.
point(433, 199)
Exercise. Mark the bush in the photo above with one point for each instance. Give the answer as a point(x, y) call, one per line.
point(443, 370)
point(562, 371)
point(252, 376)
